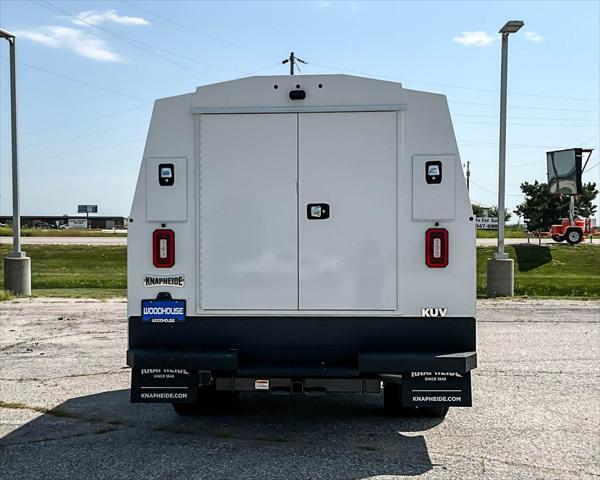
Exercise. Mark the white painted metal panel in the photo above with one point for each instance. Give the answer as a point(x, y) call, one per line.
point(348, 160)
point(248, 212)
point(166, 203)
point(434, 201)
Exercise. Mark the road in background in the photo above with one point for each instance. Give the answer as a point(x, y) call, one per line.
point(68, 240)
point(65, 410)
point(481, 242)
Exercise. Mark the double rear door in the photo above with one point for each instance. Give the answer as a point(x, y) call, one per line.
point(298, 211)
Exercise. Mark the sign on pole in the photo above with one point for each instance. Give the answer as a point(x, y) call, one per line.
point(564, 171)
point(87, 208)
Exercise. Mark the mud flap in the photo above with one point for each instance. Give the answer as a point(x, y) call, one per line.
point(163, 385)
point(428, 389)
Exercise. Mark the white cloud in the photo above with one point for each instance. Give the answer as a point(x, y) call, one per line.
point(534, 37)
point(95, 17)
point(478, 39)
point(77, 41)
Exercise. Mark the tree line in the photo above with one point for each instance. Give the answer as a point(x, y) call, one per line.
point(542, 210)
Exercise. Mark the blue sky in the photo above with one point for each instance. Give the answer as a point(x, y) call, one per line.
point(86, 87)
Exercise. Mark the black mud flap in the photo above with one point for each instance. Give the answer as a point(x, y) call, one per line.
point(163, 385)
point(428, 389)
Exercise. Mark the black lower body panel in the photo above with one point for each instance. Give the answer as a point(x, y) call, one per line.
point(307, 347)
point(295, 340)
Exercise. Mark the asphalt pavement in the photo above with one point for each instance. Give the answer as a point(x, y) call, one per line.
point(65, 410)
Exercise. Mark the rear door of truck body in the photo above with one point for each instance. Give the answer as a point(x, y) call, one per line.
point(260, 249)
point(348, 161)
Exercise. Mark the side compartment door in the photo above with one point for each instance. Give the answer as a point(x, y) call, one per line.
point(248, 212)
point(347, 210)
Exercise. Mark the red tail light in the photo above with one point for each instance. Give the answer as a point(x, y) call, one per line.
point(436, 248)
point(163, 248)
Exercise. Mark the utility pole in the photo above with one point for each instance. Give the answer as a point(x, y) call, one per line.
point(468, 175)
point(293, 60)
point(17, 266)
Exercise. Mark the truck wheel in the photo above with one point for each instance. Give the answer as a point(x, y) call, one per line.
point(558, 238)
point(186, 408)
point(392, 405)
point(209, 401)
point(574, 236)
point(433, 412)
point(392, 401)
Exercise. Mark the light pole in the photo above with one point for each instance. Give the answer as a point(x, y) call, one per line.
point(17, 266)
point(501, 268)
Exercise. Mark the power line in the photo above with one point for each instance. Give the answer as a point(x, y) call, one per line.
point(72, 165)
point(82, 82)
point(198, 32)
point(495, 144)
point(227, 42)
point(527, 118)
point(562, 125)
point(481, 204)
point(469, 88)
point(87, 120)
point(264, 68)
point(29, 145)
point(532, 146)
point(588, 140)
point(456, 86)
point(151, 49)
point(496, 193)
point(84, 151)
point(523, 107)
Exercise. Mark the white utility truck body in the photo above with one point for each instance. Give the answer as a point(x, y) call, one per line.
point(301, 233)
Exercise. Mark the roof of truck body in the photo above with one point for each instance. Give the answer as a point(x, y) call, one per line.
point(260, 92)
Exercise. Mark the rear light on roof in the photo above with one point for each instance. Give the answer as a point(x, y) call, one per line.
point(163, 248)
point(436, 248)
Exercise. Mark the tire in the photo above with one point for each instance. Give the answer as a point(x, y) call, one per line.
point(392, 405)
point(558, 238)
point(433, 412)
point(392, 401)
point(186, 408)
point(209, 401)
point(574, 236)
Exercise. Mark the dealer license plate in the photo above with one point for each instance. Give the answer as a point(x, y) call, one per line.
point(163, 311)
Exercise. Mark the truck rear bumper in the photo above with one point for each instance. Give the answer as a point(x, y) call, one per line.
point(427, 379)
point(303, 355)
point(367, 363)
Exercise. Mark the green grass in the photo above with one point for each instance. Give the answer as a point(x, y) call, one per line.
point(79, 271)
point(4, 295)
point(39, 232)
point(99, 293)
point(549, 270)
point(76, 270)
point(507, 233)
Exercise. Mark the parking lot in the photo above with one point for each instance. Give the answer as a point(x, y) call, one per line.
point(65, 410)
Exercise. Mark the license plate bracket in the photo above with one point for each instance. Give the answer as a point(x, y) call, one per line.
point(163, 311)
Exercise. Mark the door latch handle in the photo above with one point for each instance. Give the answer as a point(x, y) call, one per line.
point(317, 211)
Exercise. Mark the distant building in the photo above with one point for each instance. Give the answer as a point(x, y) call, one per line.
point(97, 222)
